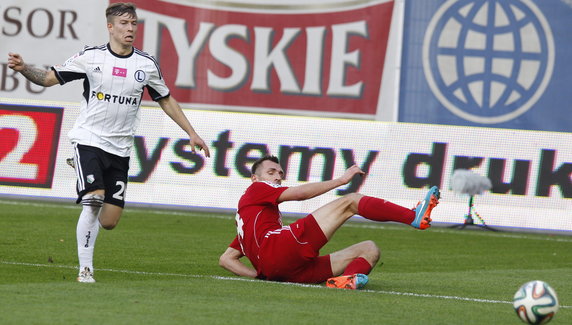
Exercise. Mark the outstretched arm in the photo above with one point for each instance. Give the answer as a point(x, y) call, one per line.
point(173, 109)
point(310, 190)
point(230, 260)
point(40, 77)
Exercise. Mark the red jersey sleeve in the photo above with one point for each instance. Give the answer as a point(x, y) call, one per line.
point(262, 193)
point(236, 245)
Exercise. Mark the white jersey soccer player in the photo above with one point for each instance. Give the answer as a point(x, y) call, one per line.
point(114, 78)
point(113, 89)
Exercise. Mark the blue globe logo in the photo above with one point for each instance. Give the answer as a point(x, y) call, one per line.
point(488, 61)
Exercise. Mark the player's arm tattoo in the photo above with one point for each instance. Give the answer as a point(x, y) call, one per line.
point(35, 75)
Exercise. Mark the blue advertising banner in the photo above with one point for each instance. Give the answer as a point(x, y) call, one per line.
point(493, 63)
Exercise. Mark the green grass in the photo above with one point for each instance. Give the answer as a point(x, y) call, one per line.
point(161, 267)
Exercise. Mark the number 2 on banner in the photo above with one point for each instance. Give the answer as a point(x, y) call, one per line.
point(11, 166)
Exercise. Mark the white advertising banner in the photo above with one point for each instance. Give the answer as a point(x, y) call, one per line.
point(530, 171)
point(46, 33)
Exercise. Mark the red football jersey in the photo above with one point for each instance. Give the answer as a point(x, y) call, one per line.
point(257, 214)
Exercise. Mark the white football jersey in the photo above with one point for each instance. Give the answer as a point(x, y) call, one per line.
point(113, 89)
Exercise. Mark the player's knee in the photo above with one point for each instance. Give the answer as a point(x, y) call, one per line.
point(108, 222)
point(371, 250)
point(110, 215)
point(92, 201)
point(351, 200)
point(108, 225)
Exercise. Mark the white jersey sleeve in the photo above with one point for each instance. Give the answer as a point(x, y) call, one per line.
point(156, 84)
point(72, 69)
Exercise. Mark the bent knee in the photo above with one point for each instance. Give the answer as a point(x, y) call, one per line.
point(371, 250)
point(371, 246)
point(110, 216)
point(108, 222)
point(108, 226)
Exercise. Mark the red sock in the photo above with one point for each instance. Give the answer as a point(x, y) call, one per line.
point(376, 209)
point(359, 265)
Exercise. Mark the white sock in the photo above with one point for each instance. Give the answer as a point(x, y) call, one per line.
point(87, 229)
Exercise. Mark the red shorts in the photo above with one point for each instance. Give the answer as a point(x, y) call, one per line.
point(291, 253)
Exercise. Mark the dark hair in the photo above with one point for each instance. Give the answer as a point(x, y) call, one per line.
point(259, 161)
point(120, 8)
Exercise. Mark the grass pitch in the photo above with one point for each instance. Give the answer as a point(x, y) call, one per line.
point(161, 267)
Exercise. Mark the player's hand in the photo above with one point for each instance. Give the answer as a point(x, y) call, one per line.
point(15, 62)
point(350, 173)
point(198, 143)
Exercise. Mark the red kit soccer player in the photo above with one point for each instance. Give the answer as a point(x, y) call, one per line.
point(291, 253)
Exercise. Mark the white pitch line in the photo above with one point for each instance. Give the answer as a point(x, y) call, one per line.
point(225, 278)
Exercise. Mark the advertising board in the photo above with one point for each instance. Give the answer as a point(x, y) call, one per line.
point(29, 144)
point(487, 63)
point(530, 171)
point(323, 58)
